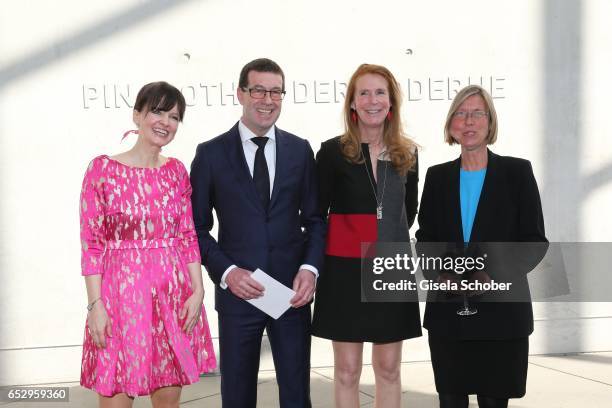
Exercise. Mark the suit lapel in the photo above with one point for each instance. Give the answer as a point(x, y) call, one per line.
point(485, 200)
point(235, 153)
point(283, 160)
point(455, 202)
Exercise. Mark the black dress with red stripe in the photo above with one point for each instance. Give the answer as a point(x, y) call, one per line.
point(348, 195)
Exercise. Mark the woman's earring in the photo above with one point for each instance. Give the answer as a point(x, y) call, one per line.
point(135, 131)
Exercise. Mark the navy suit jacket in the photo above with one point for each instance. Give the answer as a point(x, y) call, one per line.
point(278, 239)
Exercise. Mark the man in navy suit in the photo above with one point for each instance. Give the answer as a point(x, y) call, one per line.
point(261, 182)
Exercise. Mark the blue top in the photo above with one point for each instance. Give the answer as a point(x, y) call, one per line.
point(470, 186)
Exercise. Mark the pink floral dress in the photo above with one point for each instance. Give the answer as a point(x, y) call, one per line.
point(137, 232)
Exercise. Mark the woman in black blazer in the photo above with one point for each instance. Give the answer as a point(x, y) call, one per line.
point(480, 198)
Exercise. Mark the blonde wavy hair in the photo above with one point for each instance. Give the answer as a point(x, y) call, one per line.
point(400, 148)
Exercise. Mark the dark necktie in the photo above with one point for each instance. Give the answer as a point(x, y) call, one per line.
point(261, 177)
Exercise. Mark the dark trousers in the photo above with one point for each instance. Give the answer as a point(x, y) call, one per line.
point(240, 346)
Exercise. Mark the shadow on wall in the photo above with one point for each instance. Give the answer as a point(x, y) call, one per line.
point(562, 115)
point(565, 189)
point(62, 48)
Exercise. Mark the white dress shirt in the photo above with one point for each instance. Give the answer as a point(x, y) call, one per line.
point(250, 148)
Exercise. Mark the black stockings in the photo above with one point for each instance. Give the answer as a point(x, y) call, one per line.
point(462, 401)
point(490, 402)
point(453, 401)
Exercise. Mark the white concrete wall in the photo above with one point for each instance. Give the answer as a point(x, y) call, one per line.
point(69, 70)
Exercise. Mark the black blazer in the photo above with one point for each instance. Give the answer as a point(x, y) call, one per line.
point(509, 210)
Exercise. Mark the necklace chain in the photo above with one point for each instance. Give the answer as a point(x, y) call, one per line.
point(379, 204)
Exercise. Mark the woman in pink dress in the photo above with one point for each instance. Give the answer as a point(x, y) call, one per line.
point(147, 332)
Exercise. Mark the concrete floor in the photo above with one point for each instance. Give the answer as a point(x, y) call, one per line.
point(572, 381)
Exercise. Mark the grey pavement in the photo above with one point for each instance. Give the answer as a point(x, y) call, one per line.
point(554, 381)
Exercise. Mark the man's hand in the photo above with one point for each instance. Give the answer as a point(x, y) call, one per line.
point(304, 286)
point(242, 285)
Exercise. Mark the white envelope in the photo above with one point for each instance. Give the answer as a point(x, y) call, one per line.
point(276, 297)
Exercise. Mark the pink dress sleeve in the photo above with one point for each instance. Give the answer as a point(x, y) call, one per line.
point(93, 238)
point(189, 242)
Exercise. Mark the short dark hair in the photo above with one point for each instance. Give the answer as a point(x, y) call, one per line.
point(259, 65)
point(161, 96)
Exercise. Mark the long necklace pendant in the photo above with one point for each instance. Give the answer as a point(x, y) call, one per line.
point(379, 212)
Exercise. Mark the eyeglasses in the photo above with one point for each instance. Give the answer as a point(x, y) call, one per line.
point(477, 114)
point(260, 93)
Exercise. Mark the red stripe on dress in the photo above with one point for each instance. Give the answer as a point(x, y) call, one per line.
point(346, 232)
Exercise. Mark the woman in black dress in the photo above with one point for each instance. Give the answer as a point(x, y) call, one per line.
point(368, 190)
point(472, 202)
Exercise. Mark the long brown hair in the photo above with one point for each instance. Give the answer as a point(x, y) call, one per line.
point(400, 148)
